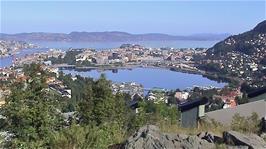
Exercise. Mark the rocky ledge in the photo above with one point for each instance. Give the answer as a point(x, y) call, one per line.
point(150, 137)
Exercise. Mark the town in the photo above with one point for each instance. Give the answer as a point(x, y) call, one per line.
point(132, 56)
point(133, 75)
point(11, 47)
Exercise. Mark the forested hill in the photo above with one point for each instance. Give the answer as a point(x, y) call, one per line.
point(252, 42)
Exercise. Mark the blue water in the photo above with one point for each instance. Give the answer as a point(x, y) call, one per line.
point(146, 76)
point(151, 77)
point(7, 61)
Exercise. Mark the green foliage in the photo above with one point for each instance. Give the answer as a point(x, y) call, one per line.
point(220, 146)
point(202, 93)
point(69, 58)
point(89, 136)
point(249, 124)
point(151, 113)
point(104, 118)
point(79, 90)
point(69, 138)
point(216, 104)
point(171, 97)
point(210, 67)
point(242, 100)
point(101, 106)
point(211, 125)
point(85, 63)
point(30, 112)
point(1, 142)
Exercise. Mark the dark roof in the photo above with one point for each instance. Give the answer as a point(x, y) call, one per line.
point(257, 92)
point(133, 104)
point(191, 104)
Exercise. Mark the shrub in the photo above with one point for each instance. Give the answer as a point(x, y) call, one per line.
point(98, 137)
point(244, 124)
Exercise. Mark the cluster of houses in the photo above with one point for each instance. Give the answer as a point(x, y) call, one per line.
point(193, 110)
point(17, 75)
point(157, 95)
point(38, 57)
point(246, 61)
point(129, 54)
point(56, 85)
point(9, 47)
point(229, 97)
point(181, 96)
point(131, 88)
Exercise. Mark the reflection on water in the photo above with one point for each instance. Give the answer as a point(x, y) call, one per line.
point(150, 77)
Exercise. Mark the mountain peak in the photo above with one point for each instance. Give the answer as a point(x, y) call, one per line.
point(261, 27)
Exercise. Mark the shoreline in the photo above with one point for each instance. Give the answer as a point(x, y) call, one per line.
point(128, 67)
point(189, 71)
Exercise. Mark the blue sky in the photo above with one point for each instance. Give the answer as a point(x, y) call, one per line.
point(171, 17)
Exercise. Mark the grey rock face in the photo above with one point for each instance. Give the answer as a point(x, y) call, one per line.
point(237, 147)
point(210, 137)
point(251, 140)
point(150, 137)
point(195, 142)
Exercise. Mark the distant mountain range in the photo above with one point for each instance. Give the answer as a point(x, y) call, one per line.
point(107, 36)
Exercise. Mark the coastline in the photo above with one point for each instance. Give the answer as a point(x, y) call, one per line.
point(204, 74)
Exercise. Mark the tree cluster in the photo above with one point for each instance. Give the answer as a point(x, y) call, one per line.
point(34, 115)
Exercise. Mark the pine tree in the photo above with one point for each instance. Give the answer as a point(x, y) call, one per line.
point(30, 112)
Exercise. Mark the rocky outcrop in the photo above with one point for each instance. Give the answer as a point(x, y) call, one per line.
point(150, 137)
point(238, 139)
point(210, 137)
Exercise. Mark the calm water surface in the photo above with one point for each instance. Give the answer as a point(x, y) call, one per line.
point(7, 61)
point(151, 77)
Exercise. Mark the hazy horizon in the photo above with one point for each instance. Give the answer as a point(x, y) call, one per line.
point(134, 17)
point(196, 34)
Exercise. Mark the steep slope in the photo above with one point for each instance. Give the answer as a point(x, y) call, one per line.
point(240, 56)
point(250, 43)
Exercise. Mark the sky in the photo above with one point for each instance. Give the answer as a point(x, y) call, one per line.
point(170, 17)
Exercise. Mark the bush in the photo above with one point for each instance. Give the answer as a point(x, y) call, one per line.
point(244, 124)
point(93, 137)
